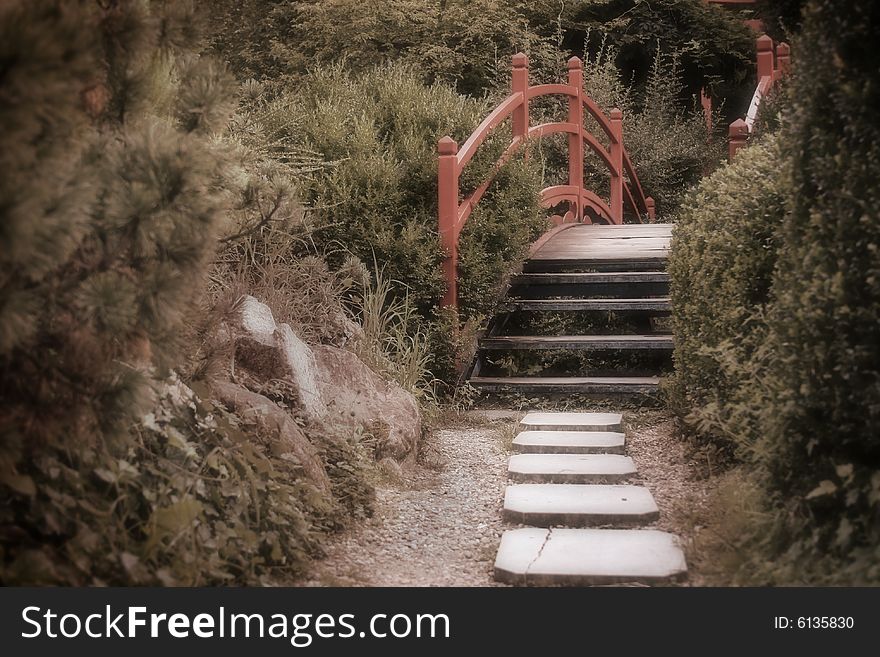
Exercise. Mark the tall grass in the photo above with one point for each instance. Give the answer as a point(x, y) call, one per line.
point(393, 343)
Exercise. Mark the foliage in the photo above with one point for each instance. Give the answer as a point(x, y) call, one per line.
point(801, 387)
point(196, 498)
point(392, 342)
point(115, 190)
point(823, 444)
point(781, 18)
point(459, 42)
point(716, 49)
point(721, 266)
point(376, 196)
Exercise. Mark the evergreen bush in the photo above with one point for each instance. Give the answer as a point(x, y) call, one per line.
point(721, 265)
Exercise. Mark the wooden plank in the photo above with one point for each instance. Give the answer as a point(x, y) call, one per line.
point(590, 278)
point(656, 304)
point(584, 384)
point(581, 342)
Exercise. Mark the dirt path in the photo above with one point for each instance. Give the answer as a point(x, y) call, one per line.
point(439, 526)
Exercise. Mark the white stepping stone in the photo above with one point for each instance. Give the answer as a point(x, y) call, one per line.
point(569, 442)
point(577, 505)
point(572, 421)
point(570, 468)
point(583, 557)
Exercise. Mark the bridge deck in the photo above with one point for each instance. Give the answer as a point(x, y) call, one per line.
point(583, 242)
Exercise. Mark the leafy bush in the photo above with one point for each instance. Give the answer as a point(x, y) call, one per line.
point(801, 388)
point(115, 190)
point(822, 444)
point(721, 266)
point(376, 195)
point(462, 43)
point(716, 49)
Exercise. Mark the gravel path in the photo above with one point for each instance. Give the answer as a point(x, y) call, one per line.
point(439, 526)
point(671, 471)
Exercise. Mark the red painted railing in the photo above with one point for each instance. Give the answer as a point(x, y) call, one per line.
point(769, 73)
point(625, 189)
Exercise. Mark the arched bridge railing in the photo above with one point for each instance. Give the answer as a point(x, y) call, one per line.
point(625, 190)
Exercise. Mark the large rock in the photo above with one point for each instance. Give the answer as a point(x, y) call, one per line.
point(355, 395)
point(273, 351)
point(333, 385)
point(286, 439)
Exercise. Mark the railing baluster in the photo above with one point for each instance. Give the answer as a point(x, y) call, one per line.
point(737, 136)
point(616, 152)
point(519, 84)
point(765, 57)
point(576, 141)
point(447, 209)
point(452, 214)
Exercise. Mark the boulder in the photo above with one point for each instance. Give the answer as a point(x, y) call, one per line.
point(273, 351)
point(356, 396)
point(286, 439)
point(333, 385)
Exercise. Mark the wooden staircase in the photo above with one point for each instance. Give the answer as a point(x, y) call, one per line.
point(588, 314)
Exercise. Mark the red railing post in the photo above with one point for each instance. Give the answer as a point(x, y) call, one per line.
point(576, 140)
point(616, 153)
point(447, 210)
point(783, 60)
point(737, 134)
point(765, 57)
point(649, 204)
point(519, 84)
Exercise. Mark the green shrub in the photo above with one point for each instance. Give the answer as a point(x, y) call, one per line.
point(114, 192)
point(724, 251)
point(798, 385)
point(821, 448)
point(375, 197)
point(462, 43)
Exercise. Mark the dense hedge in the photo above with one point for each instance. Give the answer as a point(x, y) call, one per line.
point(723, 255)
point(822, 441)
point(800, 386)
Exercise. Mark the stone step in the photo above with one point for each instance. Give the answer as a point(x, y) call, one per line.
point(583, 557)
point(578, 505)
point(537, 421)
point(569, 442)
point(570, 468)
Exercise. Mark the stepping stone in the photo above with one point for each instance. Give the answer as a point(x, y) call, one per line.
point(572, 422)
point(583, 557)
point(570, 468)
point(569, 442)
point(576, 505)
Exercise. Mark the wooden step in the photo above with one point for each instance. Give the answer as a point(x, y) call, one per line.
point(590, 284)
point(571, 262)
point(568, 384)
point(579, 342)
point(657, 305)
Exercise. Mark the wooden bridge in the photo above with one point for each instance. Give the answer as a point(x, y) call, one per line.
point(593, 287)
